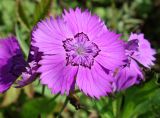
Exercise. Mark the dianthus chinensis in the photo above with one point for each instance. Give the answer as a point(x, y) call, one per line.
point(78, 49)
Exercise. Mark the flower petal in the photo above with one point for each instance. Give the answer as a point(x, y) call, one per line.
point(128, 76)
point(146, 59)
point(12, 63)
point(94, 82)
point(85, 22)
point(112, 54)
point(57, 76)
point(49, 34)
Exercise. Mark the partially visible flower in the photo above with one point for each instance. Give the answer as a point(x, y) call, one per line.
point(144, 54)
point(78, 49)
point(128, 76)
point(30, 74)
point(138, 50)
point(12, 62)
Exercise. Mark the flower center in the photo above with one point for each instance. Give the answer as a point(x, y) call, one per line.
point(80, 50)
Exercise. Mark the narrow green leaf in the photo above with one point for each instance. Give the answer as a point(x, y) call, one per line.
point(42, 10)
point(23, 44)
point(21, 15)
point(10, 97)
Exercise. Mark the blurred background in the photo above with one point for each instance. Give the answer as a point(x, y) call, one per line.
point(18, 17)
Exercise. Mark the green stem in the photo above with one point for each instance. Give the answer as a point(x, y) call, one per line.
point(119, 105)
point(43, 90)
point(52, 99)
point(62, 109)
point(116, 105)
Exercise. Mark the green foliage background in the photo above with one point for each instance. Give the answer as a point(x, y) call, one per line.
point(18, 17)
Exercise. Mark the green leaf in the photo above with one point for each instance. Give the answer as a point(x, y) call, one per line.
point(21, 15)
point(140, 97)
point(133, 21)
point(23, 44)
point(148, 104)
point(42, 8)
point(33, 108)
point(29, 90)
point(10, 97)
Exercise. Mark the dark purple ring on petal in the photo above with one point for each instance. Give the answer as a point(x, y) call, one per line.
point(80, 50)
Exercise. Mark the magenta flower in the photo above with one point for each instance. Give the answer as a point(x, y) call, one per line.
point(12, 62)
point(78, 49)
point(139, 50)
point(144, 54)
